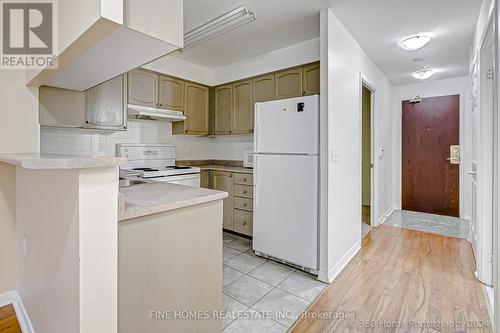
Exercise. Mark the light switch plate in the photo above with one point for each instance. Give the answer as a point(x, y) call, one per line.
point(381, 152)
point(334, 155)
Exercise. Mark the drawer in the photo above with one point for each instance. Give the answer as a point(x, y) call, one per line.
point(243, 203)
point(244, 191)
point(243, 222)
point(243, 178)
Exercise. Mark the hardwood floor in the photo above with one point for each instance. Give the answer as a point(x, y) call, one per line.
point(8, 320)
point(402, 276)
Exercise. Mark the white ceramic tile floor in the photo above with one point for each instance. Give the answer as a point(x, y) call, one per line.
point(261, 295)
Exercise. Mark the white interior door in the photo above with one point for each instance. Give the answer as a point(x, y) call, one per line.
point(285, 216)
point(482, 160)
point(474, 158)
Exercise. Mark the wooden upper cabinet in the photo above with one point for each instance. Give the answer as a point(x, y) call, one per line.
point(60, 107)
point(196, 101)
point(223, 109)
point(310, 77)
point(143, 88)
point(242, 107)
point(288, 83)
point(171, 93)
point(105, 105)
point(263, 89)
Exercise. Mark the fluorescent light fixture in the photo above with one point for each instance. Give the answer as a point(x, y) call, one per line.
point(423, 74)
point(219, 26)
point(414, 42)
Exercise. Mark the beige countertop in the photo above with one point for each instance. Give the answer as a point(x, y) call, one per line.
point(226, 168)
point(153, 198)
point(51, 162)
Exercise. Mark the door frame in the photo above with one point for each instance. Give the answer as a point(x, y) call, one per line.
point(494, 13)
point(486, 163)
point(364, 82)
point(464, 159)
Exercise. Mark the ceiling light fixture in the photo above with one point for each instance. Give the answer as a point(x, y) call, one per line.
point(218, 26)
point(423, 74)
point(414, 42)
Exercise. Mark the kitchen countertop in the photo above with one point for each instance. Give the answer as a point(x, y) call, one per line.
point(226, 168)
point(153, 198)
point(51, 162)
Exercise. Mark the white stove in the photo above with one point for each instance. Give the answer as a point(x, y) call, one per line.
point(156, 163)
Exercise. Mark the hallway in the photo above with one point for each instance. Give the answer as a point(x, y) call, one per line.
point(403, 277)
point(435, 224)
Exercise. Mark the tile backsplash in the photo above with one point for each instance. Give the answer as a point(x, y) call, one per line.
point(101, 143)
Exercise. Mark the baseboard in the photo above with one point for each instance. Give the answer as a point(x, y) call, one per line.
point(489, 295)
point(337, 269)
point(12, 297)
point(384, 217)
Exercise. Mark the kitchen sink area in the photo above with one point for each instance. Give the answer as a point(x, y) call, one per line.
point(126, 182)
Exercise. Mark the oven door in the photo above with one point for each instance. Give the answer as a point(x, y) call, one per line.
point(188, 180)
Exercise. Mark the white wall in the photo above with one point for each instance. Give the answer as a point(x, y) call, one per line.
point(445, 87)
point(345, 64)
point(294, 55)
point(183, 69)
point(19, 133)
point(84, 142)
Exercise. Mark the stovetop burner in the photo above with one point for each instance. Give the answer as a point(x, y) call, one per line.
point(145, 169)
point(176, 167)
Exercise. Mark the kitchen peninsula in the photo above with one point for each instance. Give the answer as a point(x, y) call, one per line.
point(77, 262)
point(169, 257)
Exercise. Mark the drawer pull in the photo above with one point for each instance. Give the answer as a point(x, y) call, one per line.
point(244, 180)
point(245, 223)
point(244, 204)
point(245, 192)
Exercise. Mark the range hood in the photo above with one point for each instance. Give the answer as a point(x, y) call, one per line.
point(149, 113)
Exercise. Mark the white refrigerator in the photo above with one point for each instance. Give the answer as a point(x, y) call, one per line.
point(286, 177)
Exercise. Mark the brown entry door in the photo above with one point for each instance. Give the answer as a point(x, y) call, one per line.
point(430, 180)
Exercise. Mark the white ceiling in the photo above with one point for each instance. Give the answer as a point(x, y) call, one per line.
point(377, 25)
point(279, 23)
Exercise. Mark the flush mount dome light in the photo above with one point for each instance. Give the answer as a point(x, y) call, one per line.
point(423, 74)
point(414, 42)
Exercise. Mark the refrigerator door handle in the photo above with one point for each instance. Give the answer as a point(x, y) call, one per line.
point(256, 185)
point(256, 127)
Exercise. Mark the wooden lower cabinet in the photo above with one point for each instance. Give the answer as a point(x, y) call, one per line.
point(205, 178)
point(243, 222)
point(238, 206)
point(223, 181)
